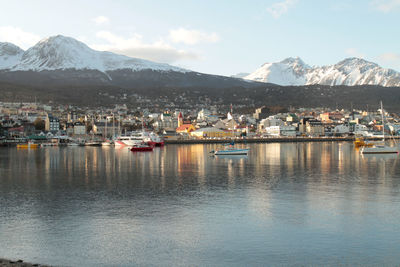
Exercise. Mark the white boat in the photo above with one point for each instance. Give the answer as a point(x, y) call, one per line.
point(139, 137)
point(106, 143)
point(231, 150)
point(152, 139)
point(130, 140)
point(380, 148)
point(73, 144)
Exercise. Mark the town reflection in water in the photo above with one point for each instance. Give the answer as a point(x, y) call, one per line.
point(107, 203)
point(193, 165)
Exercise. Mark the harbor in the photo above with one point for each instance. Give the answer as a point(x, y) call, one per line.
point(277, 205)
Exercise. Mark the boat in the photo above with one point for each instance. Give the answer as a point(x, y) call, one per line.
point(153, 139)
point(93, 143)
point(48, 144)
point(141, 148)
point(380, 148)
point(229, 149)
point(139, 137)
point(360, 142)
point(28, 145)
point(132, 139)
point(107, 143)
point(73, 144)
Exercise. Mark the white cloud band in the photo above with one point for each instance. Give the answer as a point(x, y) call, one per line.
point(192, 37)
point(18, 37)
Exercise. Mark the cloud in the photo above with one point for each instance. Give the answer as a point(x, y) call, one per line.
point(280, 8)
point(390, 59)
point(354, 53)
point(18, 37)
point(101, 20)
point(385, 5)
point(192, 37)
point(134, 46)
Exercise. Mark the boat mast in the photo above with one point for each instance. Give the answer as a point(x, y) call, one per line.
point(383, 123)
point(105, 132)
point(113, 126)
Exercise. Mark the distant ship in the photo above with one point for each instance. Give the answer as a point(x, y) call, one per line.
point(139, 137)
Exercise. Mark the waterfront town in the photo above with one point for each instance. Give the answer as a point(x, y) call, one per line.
point(61, 124)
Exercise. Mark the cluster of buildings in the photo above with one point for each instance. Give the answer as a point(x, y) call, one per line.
point(33, 120)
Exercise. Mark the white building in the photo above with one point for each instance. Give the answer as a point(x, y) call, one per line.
point(283, 130)
point(268, 122)
point(79, 129)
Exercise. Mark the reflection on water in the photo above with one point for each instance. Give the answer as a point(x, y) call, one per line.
point(285, 204)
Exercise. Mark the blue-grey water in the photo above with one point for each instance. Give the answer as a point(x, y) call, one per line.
point(284, 204)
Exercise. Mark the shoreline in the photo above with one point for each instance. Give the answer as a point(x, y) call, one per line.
point(247, 140)
point(19, 263)
point(269, 140)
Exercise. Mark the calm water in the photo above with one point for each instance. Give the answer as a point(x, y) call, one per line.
point(284, 204)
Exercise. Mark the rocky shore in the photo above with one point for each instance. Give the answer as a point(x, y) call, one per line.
point(18, 263)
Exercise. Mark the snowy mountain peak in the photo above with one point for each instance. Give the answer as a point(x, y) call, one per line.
point(10, 55)
point(294, 61)
point(350, 71)
point(289, 71)
point(9, 49)
point(61, 52)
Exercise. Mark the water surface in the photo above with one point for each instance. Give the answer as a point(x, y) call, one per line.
point(283, 204)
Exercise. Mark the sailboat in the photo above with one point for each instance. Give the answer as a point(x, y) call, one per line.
point(230, 148)
point(106, 141)
point(380, 148)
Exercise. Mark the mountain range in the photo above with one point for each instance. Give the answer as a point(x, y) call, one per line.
point(61, 60)
point(62, 69)
point(350, 72)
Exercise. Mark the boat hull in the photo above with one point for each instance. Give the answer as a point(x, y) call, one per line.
point(142, 149)
point(232, 152)
point(379, 150)
point(27, 146)
point(152, 143)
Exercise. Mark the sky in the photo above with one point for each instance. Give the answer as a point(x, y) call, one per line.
point(223, 37)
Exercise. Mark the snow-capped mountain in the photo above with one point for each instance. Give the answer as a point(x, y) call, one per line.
point(61, 53)
point(10, 55)
point(290, 71)
point(64, 61)
point(351, 71)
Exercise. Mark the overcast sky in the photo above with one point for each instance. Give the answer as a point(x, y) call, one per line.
point(216, 36)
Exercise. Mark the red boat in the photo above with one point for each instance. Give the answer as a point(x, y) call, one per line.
point(141, 148)
point(153, 143)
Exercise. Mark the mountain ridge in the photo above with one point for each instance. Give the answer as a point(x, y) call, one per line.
point(350, 71)
point(61, 52)
point(61, 60)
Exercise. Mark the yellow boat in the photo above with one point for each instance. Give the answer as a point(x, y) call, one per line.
point(28, 145)
point(359, 142)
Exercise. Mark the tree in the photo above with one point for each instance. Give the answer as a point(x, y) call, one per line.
point(39, 124)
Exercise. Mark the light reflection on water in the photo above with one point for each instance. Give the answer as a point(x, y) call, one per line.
point(283, 204)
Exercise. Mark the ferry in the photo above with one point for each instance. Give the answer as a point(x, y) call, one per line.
point(135, 138)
